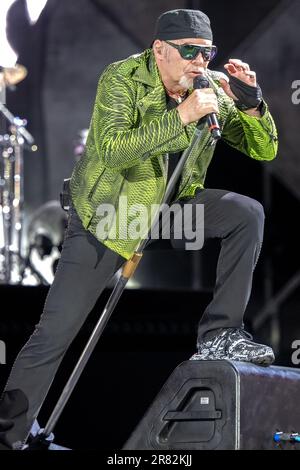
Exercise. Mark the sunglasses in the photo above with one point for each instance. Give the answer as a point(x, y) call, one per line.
point(190, 51)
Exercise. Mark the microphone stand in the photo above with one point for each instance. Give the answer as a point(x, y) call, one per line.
point(128, 269)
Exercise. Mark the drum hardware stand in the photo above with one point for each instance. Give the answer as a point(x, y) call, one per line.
point(12, 195)
point(28, 264)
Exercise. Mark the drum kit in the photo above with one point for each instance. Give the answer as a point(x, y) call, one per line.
point(29, 247)
point(14, 138)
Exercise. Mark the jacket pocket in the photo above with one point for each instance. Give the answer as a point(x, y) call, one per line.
point(94, 187)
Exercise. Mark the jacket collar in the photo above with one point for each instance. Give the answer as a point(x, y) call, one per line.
point(147, 72)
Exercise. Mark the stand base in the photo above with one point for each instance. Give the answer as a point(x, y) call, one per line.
point(42, 442)
point(57, 447)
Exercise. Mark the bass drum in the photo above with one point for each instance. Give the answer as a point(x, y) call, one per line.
point(45, 236)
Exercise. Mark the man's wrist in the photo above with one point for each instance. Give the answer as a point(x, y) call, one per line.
point(183, 119)
point(255, 112)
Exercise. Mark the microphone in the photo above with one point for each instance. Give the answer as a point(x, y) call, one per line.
point(212, 120)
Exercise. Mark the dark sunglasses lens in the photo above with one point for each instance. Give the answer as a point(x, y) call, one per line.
point(213, 52)
point(208, 53)
point(190, 52)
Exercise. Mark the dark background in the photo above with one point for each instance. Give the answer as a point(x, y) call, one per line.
point(154, 326)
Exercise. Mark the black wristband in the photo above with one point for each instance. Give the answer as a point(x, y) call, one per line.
point(248, 96)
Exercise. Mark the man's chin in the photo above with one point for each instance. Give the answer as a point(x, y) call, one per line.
point(186, 82)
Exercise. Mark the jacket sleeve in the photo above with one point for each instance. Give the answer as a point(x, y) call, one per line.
point(119, 143)
point(256, 137)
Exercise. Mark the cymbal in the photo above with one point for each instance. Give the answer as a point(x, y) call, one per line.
point(13, 75)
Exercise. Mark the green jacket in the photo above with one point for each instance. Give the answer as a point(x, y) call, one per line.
point(130, 137)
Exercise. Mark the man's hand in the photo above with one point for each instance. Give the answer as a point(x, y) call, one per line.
point(240, 70)
point(198, 104)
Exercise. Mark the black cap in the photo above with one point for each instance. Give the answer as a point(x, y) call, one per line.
point(180, 24)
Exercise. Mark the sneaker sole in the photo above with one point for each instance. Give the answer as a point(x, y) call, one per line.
point(264, 361)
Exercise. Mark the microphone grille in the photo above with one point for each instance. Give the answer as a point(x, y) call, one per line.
point(200, 82)
point(216, 75)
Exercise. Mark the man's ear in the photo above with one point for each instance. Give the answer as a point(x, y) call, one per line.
point(158, 48)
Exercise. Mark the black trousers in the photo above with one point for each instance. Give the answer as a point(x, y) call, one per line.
point(84, 270)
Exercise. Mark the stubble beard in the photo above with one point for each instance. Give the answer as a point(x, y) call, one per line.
point(186, 83)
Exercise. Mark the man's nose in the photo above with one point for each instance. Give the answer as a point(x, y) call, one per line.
point(199, 59)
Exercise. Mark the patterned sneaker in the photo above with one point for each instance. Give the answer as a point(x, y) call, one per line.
point(234, 344)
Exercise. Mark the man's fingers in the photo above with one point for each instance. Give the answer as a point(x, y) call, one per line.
point(230, 68)
point(208, 91)
point(207, 98)
point(250, 73)
point(204, 100)
point(252, 77)
point(200, 103)
point(242, 72)
point(235, 61)
point(239, 64)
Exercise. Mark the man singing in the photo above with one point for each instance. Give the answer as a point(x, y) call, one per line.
point(144, 117)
